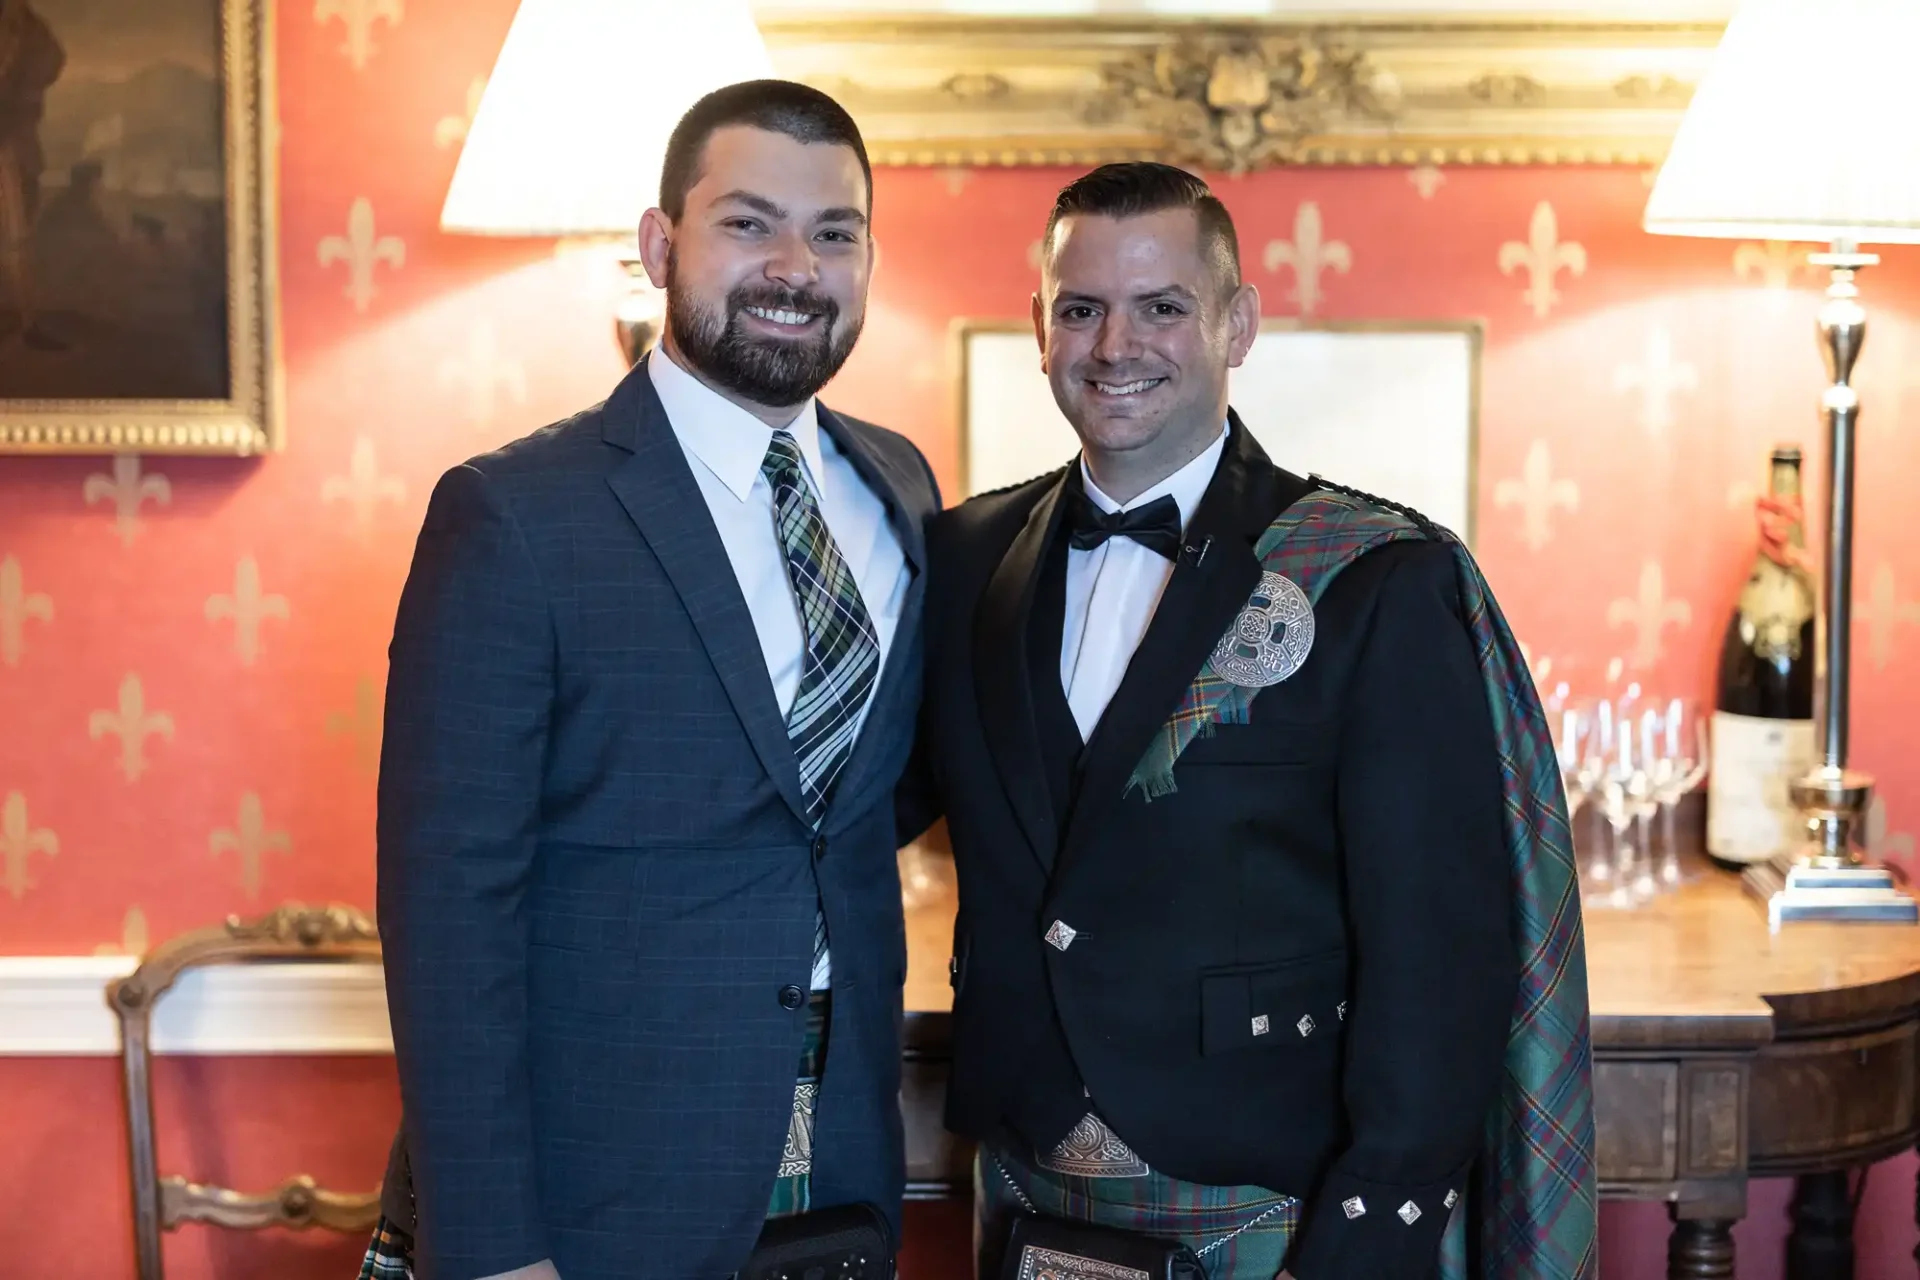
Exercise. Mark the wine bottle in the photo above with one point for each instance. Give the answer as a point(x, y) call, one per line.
point(1763, 732)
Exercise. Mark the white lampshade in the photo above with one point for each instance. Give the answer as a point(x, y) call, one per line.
point(1806, 127)
point(573, 125)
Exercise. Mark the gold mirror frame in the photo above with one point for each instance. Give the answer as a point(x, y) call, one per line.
point(250, 419)
point(1236, 95)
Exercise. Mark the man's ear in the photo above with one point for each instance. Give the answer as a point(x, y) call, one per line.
point(656, 240)
point(1243, 324)
point(1040, 329)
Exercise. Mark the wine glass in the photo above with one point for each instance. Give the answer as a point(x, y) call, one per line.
point(1572, 725)
point(1680, 762)
point(1618, 755)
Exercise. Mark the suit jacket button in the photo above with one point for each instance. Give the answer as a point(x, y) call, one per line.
point(792, 997)
point(819, 848)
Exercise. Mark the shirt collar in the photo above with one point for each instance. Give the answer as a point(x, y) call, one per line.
point(1187, 485)
point(728, 441)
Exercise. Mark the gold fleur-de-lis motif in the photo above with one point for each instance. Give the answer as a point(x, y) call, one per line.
point(1544, 255)
point(358, 16)
point(362, 249)
point(452, 129)
point(1658, 377)
point(1774, 261)
point(134, 939)
point(1036, 254)
point(19, 841)
point(250, 838)
point(247, 608)
point(1309, 253)
point(485, 372)
point(1426, 179)
point(133, 725)
point(128, 489)
point(955, 180)
point(1649, 613)
point(16, 606)
point(363, 488)
point(362, 723)
point(1882, 843)
point(1883, 612)
point(1537, 493)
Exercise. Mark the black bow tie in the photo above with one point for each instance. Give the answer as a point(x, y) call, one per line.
point(1156, 526)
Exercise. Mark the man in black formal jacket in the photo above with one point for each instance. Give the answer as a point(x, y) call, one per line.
point(1265, 1013)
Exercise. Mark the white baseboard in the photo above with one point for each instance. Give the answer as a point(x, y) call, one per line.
point(57, 1006)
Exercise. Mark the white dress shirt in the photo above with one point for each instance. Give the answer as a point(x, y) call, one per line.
point(725, 446)
point(1113, 590)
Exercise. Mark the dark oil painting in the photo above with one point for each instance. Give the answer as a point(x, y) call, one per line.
point(113, 240)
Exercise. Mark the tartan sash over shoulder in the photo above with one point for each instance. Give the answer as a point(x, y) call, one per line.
point(1532, 1211)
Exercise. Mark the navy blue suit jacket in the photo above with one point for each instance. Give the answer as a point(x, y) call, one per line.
point(595, 879)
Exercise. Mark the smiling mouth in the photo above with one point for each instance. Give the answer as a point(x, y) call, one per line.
point(781, 317)
point(1133, 388)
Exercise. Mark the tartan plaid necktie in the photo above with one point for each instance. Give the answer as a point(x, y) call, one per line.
point(842, 652)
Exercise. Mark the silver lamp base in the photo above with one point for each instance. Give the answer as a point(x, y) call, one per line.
point(1831, 878)
point(1853, 895)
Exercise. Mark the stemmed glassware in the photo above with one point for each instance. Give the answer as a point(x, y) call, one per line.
point(1680, 761)
point(1619, 749)
point(1634, 756)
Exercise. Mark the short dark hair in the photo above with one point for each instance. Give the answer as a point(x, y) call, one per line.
point(1136, 187)
point(796, 110)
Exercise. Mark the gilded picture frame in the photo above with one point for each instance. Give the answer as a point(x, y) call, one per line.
point(1388, 406)
point(194, 214)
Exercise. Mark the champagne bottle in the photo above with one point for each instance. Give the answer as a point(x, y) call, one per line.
point(1763, 731)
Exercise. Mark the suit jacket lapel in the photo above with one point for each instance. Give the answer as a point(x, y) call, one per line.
point(1000, 674)
point(886, 479)
point(883, 711)
point(657, 488)
point(1211, 581)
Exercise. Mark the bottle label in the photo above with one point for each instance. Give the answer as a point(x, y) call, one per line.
point(1774, 607)
point(1750, 816)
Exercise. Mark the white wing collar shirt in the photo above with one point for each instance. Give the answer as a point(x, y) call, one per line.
point(1113, 590)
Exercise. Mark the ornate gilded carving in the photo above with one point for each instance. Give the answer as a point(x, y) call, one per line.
point(295, 933)
point(298, 924)
point(976, 86)
point(1237, 101)
point(948, 89)
point(1504, 89)
point(298, 1203)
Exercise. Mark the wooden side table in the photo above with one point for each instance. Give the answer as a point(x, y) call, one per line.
point(1721, 1052)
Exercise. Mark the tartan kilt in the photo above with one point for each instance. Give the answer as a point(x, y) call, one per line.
point(1239, 1233)
point(390, 1252)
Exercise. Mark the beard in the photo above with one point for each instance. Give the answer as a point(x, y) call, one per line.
point(763, 369)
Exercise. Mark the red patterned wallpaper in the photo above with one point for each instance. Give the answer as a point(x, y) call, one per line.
point(192, 651)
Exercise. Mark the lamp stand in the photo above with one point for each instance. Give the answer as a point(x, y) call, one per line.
point(641, 316)
point(1830, 877)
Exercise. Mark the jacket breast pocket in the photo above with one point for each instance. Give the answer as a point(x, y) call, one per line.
point(1285, 1002)
point(1276, 744)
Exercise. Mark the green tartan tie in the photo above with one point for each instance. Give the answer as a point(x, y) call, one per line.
point(842, 652)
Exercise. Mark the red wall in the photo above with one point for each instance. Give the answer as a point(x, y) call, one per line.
point(390, 390)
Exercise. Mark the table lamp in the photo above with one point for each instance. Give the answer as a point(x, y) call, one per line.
point(1805, 129)
point(572, 128)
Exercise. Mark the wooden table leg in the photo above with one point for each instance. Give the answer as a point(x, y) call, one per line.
point(1820, 1246)
point(1700, 1249)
